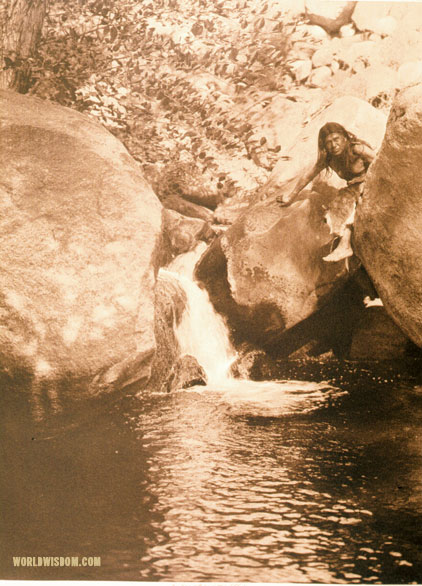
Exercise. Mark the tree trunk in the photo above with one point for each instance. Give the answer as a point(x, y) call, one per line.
point(20, 30)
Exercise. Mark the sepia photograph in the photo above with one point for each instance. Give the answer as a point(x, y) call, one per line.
point(211, 291)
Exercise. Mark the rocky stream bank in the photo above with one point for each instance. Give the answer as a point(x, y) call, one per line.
point(84, 310)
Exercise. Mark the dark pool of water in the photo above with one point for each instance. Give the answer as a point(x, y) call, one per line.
point(196, 487)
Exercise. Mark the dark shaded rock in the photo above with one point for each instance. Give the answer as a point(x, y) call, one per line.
point(170, 302)
point(252, 363)
point(388, 224)
point(81, 232)
point(377, 337)
point(186, 372)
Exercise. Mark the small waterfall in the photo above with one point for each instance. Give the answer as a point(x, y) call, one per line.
point(202, 332)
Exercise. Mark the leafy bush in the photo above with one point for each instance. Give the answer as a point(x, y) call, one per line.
point(171, 78)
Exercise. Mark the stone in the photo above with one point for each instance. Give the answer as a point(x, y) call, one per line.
point(373, 83)
point(293, 8)
point(335, 66)
point(183, 233)
point(347, 30)
point(321, 77)
point(367, 14)
point(377, 337)
point(169, 304)
point(186, 208)
point(301, 69)
point(280, 120)
point(385, 26)
point(322, 57)
point(382, 17)
point(81, 232)
point(186, 373)
point(311, 32)
point(389, 218)
point(410, 73)
point(360, 54)
point(331, 16)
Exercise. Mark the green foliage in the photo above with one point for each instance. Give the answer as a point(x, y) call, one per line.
point(171, 78)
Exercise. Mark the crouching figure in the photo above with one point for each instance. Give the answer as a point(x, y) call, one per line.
point(350, 158)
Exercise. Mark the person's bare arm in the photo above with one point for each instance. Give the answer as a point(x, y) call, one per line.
point(365, 152)
point(301, 184)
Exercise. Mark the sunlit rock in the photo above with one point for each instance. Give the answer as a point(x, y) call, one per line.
point(410, 73)
point(301, 69)
point(388, 225)
point(321, 77)
point(322, 56)
point(81, 229)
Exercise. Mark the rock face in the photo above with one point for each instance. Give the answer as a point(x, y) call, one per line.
point(170, 302)
point(377, 337)
point(186, 372)
point(267, 273)
point(183, 233)
point(388, 225)
point(80, 231)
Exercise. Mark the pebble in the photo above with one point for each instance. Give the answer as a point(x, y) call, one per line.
point(322, 57)
point(320, 76)
point(301, 69)
point(347, 30)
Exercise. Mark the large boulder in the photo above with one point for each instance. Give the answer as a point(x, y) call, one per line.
point(388, 227)
point(267, 273)
point(81, 230)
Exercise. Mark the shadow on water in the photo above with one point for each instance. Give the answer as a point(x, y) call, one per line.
point(199, 486)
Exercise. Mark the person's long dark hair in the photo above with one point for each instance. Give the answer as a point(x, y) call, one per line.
point(329, 128)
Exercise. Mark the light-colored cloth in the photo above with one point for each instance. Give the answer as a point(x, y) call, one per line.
point(341, 212)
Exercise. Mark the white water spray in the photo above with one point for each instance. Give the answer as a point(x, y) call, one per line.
point(202, 332)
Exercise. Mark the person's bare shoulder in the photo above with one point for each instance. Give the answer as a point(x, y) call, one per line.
point(363, 150)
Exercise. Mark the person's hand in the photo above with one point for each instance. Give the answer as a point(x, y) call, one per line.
point(283, 201)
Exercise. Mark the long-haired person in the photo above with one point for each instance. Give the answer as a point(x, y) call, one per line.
point(350, 158)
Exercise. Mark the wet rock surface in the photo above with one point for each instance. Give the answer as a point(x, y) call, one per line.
point(185, 373)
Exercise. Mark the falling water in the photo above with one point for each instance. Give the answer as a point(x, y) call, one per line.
point(202, 332)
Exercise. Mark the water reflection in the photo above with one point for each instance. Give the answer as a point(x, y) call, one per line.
point(275, 500)
point(219, 486)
